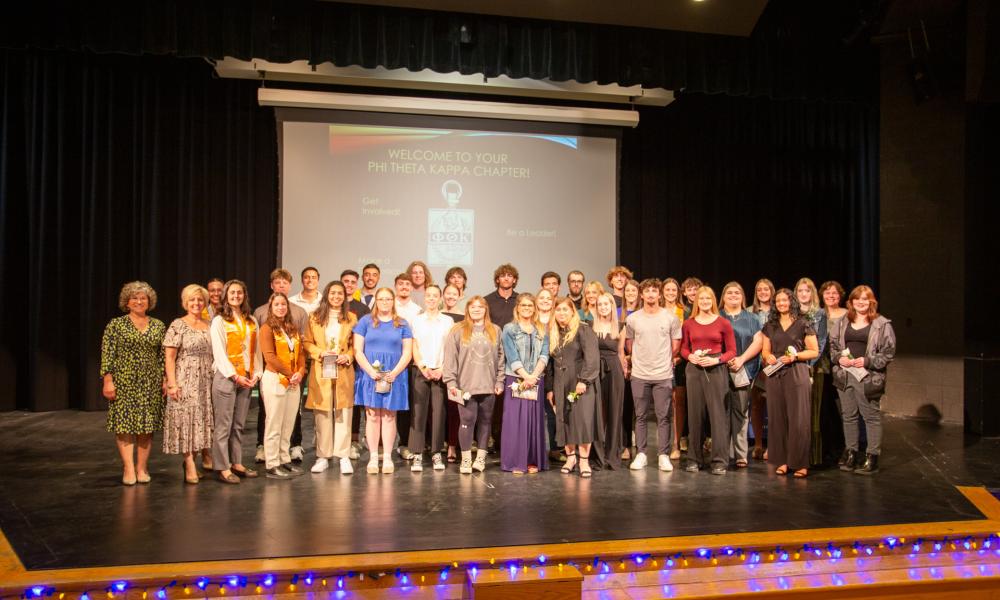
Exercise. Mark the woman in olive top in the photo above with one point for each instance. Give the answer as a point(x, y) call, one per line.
point(862, 347)
point(330, 336)
point(285, 368)
point(473, 373)
point(809, 303)
point(672, 302)
point(789, 339)
point(827, 419)
point(763, 296)
point(576, 365)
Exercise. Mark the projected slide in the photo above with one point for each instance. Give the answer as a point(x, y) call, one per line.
point(353, 194)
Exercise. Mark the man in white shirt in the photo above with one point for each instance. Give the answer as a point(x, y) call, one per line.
point(656, 337)
point(308, 299)
point(405, 306)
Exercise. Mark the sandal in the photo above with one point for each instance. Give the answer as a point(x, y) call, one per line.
point(532, 469)
point(782, 470)
point(801, 474)
point(741, 463)
point(585, 471)
point(570, 464)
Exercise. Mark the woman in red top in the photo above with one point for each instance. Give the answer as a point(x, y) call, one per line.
point(707, 343)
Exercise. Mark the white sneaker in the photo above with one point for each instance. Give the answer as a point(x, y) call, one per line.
point(296, 453)
point(479, 464)
point(465, 467)
point(388, 466)
point(373, 467)
point(437, 461)
point(665, 464)
point(259, 457)
point(639, 463)
point(321, 465)
point(346, 468)
point(355, 451)
point(418, 464)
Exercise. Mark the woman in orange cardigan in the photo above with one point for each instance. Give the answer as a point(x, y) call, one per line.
point(285, 367)
point(331, 393)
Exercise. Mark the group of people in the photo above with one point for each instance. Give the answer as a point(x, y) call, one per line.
point(441, 374)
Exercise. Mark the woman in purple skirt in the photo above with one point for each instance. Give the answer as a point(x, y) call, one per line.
point(526, 348)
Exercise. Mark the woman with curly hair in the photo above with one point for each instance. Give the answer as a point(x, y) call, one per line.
point(132, 370)
point(789, 339)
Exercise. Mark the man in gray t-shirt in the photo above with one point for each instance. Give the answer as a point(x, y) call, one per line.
point(656, 337)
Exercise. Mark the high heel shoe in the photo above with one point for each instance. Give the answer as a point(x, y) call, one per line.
point(570, 464)
point(191, 480)
point(585, 470)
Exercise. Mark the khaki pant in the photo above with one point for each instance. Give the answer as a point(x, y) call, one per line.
point(281, 405)
point(333, 432)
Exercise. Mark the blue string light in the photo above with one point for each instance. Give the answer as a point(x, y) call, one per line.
point(120, 586)
point(268, 580)
point(162, 594)
point(37, 591)
point(541, 559)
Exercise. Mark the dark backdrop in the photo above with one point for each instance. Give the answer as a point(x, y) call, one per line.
point(725, 188)
point(114, 168)
point(123, 165)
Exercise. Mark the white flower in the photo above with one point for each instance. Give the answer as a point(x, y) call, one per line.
point(376, 365)
point(572, 397)
point(466, 396)
point(791, 351)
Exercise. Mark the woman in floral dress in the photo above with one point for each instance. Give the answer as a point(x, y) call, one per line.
point(187, 421)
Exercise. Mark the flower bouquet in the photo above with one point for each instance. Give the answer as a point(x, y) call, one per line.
point(518, 389)
point(381, 385)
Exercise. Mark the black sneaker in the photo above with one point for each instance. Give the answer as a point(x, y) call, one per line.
point(691, 467)
point(718, 470)
point(277, 473)
point(869, 466)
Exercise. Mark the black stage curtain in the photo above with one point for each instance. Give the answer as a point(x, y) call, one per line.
point(796, 50)
point(116, 168)
point(727, 188)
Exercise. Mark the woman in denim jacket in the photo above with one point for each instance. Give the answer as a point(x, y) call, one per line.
point(861, 349)
point(526, 349)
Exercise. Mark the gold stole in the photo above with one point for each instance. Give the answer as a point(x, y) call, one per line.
point(289, 358)
point(237, 332)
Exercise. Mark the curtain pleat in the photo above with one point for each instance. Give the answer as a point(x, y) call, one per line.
point(729, 188)
point(116, 168)
point(795, 50)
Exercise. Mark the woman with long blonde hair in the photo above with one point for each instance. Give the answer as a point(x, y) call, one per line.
point(608, 330)
point(576, 360)
point(383, 345)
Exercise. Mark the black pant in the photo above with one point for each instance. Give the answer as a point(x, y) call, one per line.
point(706, 391)
point(426, 394)
point(476, 415)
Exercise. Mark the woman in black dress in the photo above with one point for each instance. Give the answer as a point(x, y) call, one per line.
point(789, 339)
point(576, 361)
point(612, 377)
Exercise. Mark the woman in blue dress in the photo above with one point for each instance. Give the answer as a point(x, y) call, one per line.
point(383, 345)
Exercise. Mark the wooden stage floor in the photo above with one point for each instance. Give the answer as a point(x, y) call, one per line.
point(62, 506)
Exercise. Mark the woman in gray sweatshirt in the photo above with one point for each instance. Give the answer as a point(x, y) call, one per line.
point(473, 374)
